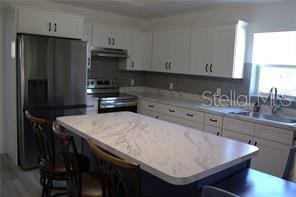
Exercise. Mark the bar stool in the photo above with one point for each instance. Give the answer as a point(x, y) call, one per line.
point(79, 184)
point(118, 177)
point(50, 161)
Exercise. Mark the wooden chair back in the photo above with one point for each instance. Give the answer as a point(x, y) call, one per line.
point(44, 138)
point(119, 178)
point(70, 155)
point(290, 169)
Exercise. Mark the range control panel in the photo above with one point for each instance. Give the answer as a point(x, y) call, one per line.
point(102, 83)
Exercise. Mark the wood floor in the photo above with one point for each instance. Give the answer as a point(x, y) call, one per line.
point(15, 182)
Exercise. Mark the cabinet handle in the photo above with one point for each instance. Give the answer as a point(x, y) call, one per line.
point(55, 27)
point(109, 41)
point(133, 63)
point(249, 142)
point(88, 61)
point(113, 41)
point(212, 120)
point(207, 67)
point(218, 133)
point(151, 106)
point(190, 115)
point(171, 110)
point(49, 28)
point(170, 65)
point(211, 68)
point(166, 65)
point(255, 144)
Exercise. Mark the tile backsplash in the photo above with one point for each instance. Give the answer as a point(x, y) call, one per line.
point(108, 68)
point(105, 68)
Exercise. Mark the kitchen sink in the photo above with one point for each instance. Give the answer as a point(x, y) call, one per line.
point(265, 117)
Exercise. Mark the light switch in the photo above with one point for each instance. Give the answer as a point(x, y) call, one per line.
point(171, 86)
point(132, 82)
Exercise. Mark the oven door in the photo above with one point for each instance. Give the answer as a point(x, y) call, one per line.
point(117, 105)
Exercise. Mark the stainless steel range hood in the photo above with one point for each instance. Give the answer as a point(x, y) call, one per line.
point(108, 52)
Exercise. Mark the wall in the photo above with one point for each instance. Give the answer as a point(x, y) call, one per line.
point(1, 85)
point(108, 68)
point(198, 84)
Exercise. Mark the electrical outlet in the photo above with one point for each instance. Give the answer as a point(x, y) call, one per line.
point(132, 82)
point(171, 86)
point(218, 91)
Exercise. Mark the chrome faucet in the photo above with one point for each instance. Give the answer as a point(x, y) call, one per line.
point(275, 107)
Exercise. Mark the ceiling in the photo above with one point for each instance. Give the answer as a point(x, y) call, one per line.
point(154, 8)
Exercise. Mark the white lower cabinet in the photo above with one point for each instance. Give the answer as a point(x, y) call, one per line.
point(273, 143)
point(149, 113)
point(272, 157)
point(213, 130)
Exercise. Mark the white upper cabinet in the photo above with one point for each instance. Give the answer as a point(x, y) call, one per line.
point(106, 36)
point(218, 50)
point(51, 24)
point(101, 36)
point(87, 31)
point(162, 50)
point(140, 54)
point(171, 51)
point(200, 51)
point(180, 57)
point(135, 62)
point(147, 39)
point(121, 38)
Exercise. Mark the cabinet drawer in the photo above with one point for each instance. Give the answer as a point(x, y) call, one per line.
point(191, 115)
point(238, 126)
point(181, 121)
point(213, 120)
point(275, 134)
point(214, 130)
point(237, 136)
point(149, 113)
point(153, 106)
point(183, 113)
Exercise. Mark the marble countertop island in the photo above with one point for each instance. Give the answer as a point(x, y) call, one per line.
point(171, 152)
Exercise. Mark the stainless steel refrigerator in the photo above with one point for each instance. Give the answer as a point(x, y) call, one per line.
point(51, 82)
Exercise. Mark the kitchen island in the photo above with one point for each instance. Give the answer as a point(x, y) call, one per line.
point(174, 159)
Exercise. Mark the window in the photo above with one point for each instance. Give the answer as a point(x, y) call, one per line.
point(274, 54)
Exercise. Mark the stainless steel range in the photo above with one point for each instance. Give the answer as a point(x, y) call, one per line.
point(104, 96)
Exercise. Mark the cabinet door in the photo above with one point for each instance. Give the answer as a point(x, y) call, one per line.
point(180, 47)
point(222, 51)
point(34, 23)
point(149, 113)
point(272, 157)
point(147, 51)
point(242, 138)
point(213, 130)
point(121, 39)
point(162, 50)
point(200, 51)
point(67, 26)
point(135, 62)
point(87, 31)
point(101, 36)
